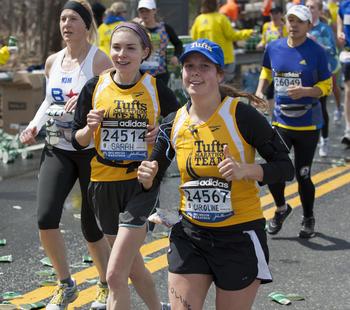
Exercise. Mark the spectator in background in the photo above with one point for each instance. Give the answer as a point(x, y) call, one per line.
point(115, 14)
point(99, 10)
point(343, 34)
point(5, 53)
point(332, 8)
point(216, 27)
point(230, 9)
point(323, 34)
point(271, 31)
point(330, 12)
point(266, 9)
point(289, 4)
point(161, 35)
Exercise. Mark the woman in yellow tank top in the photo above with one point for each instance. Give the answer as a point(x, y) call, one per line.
point(219, 236)
point(119, 110)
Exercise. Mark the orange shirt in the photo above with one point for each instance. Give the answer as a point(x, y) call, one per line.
point(266, 7)
point(230, 9)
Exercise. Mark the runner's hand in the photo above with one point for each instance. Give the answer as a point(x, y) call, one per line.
point(28, 135)
point(94, 119)
point(341, 37)
point(151, 134)
point(70, 104)
point(260, 95)
point(229, 168)
point(146, 173)
point(296, 92)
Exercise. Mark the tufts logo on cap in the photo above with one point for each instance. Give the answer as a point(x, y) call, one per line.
point(201, 45)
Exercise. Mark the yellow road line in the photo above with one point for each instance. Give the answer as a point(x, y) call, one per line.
point(320, 191)
point(154, 246)
point(317, 178)
point(88, 273)
point(81, 276)
point(161, 262)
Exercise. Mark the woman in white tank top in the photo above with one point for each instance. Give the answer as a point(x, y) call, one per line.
point(61, 165)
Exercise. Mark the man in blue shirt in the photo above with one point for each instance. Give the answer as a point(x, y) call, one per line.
point(299, 69)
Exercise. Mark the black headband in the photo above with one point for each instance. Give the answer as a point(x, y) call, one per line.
point(81, 10)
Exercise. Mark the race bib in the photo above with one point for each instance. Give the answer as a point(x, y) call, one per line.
point(64, 129)
point(124, 139)
point(283, 80)
point(346, 19)
point(207, 199)
point(152, 63)
point(344, 57)
point(57, 112)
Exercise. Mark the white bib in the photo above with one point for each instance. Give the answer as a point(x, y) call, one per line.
point(207, 199)
point(283, 81)
point(124, 139)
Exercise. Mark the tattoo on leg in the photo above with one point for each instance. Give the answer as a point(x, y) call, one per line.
point(184, 302)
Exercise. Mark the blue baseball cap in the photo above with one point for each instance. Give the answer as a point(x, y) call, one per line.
point(207, 48)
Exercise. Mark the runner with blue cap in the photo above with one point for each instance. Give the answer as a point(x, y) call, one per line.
point(208, 49)
point(220, 235)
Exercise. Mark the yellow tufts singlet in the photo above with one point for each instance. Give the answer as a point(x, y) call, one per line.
point(120, 137)
point(206, 198)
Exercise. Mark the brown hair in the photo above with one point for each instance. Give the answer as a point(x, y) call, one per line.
point(209, 6)
point(138, 29)
point(116, 8)
point(258, 103)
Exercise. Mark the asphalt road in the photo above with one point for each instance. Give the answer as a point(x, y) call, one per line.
point(317, 269)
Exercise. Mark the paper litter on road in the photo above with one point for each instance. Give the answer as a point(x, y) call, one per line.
point(6, 259)
point(46, 262)
point(36, 305)
point(11, 295)
point(280, 298)
point(46, 272)
point(48, 282)
point(87, 259)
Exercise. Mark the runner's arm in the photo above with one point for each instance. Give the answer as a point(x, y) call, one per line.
point(174, 39)
point(265, 80)
point(40, 117)
point(163, 151)
point(81, 134)
point(257, 132)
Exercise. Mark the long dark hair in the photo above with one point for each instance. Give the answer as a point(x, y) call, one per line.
point(258, 103)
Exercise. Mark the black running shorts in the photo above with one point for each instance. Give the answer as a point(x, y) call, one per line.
point(234, 258)
point(346, 71)
point(121, 203)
